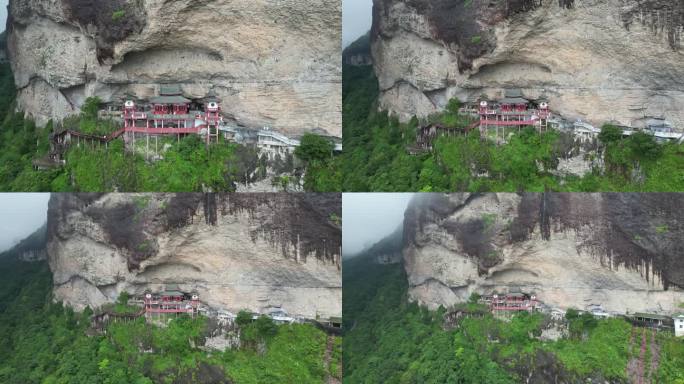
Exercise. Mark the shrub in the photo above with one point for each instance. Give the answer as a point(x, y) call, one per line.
point(123, 298)
point(243, 318)
point(118, 15)
point(610, 133)
point(266, 327)
point(90, 108)
point(314, 147)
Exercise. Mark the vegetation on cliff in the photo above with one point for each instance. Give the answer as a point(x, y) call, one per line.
point(323, 171)
point(376, 157)
point(44, 342)
point(391, 340)
point(187, 165)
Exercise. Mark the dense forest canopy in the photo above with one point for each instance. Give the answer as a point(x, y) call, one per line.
point(376, 156)
point(187, 164)
point(389, 339)
point(46, 343)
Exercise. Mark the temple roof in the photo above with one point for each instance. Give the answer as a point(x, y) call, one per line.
point(513, 93)
point(516, 294)
point(650, 316)
point(164, 99)
point(170, 90)
point(513, 100)
point(172, 293)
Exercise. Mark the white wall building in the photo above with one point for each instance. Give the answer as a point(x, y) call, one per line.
point(679, 324)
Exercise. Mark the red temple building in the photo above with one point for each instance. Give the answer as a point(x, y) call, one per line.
point(512, 302)
point(513, 111)
point(170, 113)
point(171, 301)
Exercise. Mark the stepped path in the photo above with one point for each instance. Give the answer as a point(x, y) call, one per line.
point(655, 357)
point(327, 358)
point(635, 364)
point(640, 369)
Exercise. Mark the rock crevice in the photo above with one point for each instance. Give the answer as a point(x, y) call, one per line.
point(238, 251)
point(616, 60)
point(258, 58)
point(620, 250)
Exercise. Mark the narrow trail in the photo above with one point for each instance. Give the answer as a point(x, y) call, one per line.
point(642, 354)
point(655, 356)
point(636, 364)
point(330, 379)
point(632, 362)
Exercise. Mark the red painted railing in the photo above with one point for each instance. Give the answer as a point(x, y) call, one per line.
point(175, 310)
point(164, 130)
point(508, 123)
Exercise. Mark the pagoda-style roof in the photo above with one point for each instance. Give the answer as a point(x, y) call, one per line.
point(650, 316)
point(513, 93)
point(515, 294)
point(513, 100)
point(172, 290)
point(172, 293)
point(164, 99)
point(170, 90)
point(211, 96)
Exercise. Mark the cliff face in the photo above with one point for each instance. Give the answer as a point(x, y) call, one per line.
point(30, 249)
point(270, 63)
point(237, 251)
point(596, 60)
point(622, 251)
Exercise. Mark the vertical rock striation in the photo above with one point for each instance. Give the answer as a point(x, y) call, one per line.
point(618, 250)
point(238, 251)
point(270, 63)
point(615, 60)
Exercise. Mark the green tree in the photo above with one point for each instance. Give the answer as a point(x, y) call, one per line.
point(266, 327)
point(314, 147)
point(644, 146)
point(123, 298)
point(90, 108)
point(571, 314)
point(610, 134)
point(243, 318)
point(453, 106)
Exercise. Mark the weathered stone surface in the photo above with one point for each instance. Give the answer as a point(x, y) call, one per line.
point(619, 250)
point(271, 63)
point(596, 60)
point(238, 251)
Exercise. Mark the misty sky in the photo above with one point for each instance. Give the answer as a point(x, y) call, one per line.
point(357, 16)
point(3, 14)
point(20, 215)
point(368, 217)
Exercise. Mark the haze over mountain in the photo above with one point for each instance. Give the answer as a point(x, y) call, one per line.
point(356, 19)
point(20, 215)
point(369, 217)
